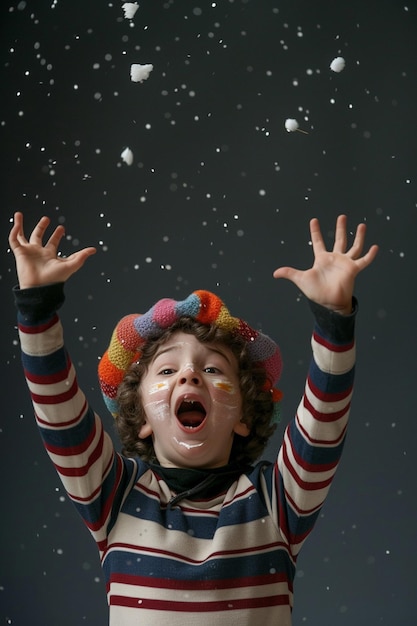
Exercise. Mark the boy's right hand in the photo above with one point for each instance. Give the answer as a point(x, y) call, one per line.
point(39, 264)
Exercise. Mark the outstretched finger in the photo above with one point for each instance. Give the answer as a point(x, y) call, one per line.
point(340, 237)
point(16, 232)
point(367, 258)
point(17, 236)
point(55, 239)
point(358, 243)
point(316, 236)
point(39, 230)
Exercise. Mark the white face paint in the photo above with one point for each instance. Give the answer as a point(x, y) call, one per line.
point(189, 446)
point(187, 371)
point(158, 410)
point(225, 398)
point(159, 386)
point(189, 366)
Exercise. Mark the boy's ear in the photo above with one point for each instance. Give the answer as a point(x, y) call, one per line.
point(242, 429)
point(145, 430)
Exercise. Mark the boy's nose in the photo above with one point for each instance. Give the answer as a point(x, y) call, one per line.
point(189, 375)
point(190, 379)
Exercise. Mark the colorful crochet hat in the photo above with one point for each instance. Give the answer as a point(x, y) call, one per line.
point(134, 330)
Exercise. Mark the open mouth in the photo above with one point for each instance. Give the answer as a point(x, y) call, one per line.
point(191, 414)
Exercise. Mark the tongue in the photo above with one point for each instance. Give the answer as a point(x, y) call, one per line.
point(191, 418)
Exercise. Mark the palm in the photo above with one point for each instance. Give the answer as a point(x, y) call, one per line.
point(330, 281)
point(37, 263)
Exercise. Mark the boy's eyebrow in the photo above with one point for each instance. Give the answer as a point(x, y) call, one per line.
point(178, 347)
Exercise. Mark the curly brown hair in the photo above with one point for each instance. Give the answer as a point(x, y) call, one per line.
point(257, 404)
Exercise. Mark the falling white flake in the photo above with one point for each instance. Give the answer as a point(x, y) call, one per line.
point(130, 9)
point(139, 73)
point(338, 64)
point(127, 156)
point(291, 125)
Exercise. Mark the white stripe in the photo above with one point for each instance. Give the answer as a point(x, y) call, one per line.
point(333, 362)
point(44, 343)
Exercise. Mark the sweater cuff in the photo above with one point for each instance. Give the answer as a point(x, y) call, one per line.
point(340, 328)
point(38, 303)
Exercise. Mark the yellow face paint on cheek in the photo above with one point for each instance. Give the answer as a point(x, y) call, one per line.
point(224, 385)
point(159, 386)
point(225, 397)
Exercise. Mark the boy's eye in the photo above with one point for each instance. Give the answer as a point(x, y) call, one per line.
point(166, 371)
point(211, 370)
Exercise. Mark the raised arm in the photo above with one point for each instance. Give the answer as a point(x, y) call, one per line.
point(313, 440)
point(330, 281)
point(37, 263)
point(94, 477)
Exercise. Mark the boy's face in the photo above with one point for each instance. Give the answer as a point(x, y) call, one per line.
point(192, 402)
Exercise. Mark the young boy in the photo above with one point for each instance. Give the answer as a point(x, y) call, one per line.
point(188, 526)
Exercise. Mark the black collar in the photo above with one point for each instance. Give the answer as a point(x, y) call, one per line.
point(206, 483)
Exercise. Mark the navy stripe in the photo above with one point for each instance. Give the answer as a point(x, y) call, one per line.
point(143, 507)
point(45, 365)
point(331, 383)
point(230, 567)
point(316, 455)
point(297, 526)
point(65, 440)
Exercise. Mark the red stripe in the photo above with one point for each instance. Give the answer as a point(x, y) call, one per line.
point(93, 494)
point(68, 423)
point(83, 469)
point(156, 495)
point(310, 467)
point(324, 418)
point(48, 379)
point(58, 398)
point(303, 484)
point(149, 492)
point(320, 442)
point(102, 545)
point(301, 512)
point(239, 495)
point(200, 607)
point(35, 330)
point(74, 450)
point(327, 398)
point(197, 585)
point(334, 396)
point(107, 505)
point(331, 346)
point(191, 511)
point(283, 521)
point(181, 557)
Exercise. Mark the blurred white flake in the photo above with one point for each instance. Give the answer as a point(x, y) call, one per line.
point(291, 125)
point(338, 64)
point(130, 9)
point(139, 73)
point(127, 156)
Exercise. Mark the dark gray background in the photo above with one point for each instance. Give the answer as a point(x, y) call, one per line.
point(219, 195)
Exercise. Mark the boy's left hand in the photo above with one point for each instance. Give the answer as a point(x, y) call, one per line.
point(331, 279)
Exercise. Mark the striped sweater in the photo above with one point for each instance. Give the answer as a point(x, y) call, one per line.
point(222, 557)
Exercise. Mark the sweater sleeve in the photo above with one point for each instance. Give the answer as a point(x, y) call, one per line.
point(94, 476)
point(313, 440)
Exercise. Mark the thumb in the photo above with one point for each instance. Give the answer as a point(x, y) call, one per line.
point(290, 273)
point(76, 260)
